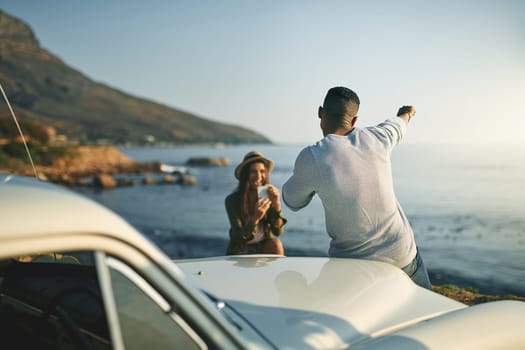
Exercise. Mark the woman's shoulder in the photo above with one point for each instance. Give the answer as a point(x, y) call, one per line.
point(233, 196)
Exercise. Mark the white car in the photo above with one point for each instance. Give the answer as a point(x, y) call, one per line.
point(74, 275)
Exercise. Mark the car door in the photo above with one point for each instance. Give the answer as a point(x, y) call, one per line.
point(114, 298)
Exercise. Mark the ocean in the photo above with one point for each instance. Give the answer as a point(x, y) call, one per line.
point(465, 204)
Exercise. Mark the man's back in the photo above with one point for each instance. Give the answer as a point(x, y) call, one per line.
point(352, 177)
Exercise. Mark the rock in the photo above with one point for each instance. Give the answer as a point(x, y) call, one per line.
point(126, 182)
point(104, 181)
point(148, 181)
point(188, 180)
point(84, 181)
point(107, 159)
point(168, 179)
point(207, 161)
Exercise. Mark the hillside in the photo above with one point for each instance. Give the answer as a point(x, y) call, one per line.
point(43, 89)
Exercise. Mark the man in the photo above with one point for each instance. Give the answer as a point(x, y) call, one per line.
point(350, 170)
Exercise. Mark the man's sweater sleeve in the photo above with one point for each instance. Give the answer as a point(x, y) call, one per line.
point(299, 189)
point(390, 132)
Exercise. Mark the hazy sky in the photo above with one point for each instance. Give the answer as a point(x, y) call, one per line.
point(266, 65)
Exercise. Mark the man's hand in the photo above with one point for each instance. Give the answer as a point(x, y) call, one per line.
point(406, 112)
point(273, 195)
point(410, 110)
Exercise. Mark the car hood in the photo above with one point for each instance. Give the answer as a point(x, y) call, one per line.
point(313, 302)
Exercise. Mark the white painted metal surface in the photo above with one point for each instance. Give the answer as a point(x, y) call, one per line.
point(319, 303)
point(292, 302)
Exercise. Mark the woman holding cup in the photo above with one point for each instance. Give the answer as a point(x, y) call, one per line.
point(254, 209)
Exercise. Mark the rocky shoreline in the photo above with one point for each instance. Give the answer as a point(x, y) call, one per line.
point(105, 167)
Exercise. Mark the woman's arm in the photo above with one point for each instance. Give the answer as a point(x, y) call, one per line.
point(274, 213)
point(276, 221)
point(239, 232)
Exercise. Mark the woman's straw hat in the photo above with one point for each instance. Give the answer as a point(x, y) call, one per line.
point(250, 157)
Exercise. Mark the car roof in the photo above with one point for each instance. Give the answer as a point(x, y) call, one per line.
point(32, 207)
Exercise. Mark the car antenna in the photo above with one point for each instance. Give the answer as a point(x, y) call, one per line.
point(20, 131)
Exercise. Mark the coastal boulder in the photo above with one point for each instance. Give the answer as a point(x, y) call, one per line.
point(207, 161)
point(124, 181)
point(148, 180)
point(104, 181)
point(188, 180)
point(168, 179)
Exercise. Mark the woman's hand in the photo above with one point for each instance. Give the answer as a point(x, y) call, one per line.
point(274, 196)
point(261, 207)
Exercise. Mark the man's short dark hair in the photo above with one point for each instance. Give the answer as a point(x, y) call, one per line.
point(341, 103)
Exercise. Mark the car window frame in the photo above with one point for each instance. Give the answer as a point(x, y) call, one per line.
point(153, 265)
point(107, 262)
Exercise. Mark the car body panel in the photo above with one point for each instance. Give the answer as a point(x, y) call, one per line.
point(248, 302)
point(35, 207)
point(495, 325)
point(317, 302)
point(69, 221)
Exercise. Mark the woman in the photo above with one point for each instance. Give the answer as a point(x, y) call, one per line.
point(254, 221)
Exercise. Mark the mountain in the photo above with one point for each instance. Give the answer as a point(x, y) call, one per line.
point(43, 89)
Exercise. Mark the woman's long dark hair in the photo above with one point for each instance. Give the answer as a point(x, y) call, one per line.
point(243, 187)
